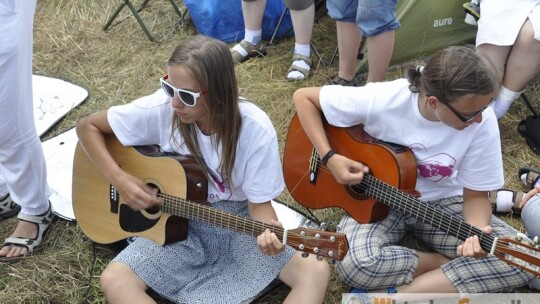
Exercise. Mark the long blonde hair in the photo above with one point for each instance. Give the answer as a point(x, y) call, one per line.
point(210, 62)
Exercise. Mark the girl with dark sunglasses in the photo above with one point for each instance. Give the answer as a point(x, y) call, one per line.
point(441, 113)
point(198, 112)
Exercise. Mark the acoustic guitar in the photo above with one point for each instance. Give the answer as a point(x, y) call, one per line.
point(390, 184)
point(105, 218)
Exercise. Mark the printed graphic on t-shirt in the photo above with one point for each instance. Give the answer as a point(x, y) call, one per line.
point(219, 188)
point(437, 167)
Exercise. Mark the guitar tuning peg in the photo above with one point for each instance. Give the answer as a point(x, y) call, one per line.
point(333, 262)
point(319, 258)
point(323, 226)
point(338, 227)
point(308, 223)
point(305, 254)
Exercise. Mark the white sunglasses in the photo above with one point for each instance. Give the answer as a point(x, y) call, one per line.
point(186, 97)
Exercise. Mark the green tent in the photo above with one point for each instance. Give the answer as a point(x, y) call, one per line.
point(426, 27)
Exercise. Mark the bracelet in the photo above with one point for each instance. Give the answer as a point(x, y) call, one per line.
point(326, 157)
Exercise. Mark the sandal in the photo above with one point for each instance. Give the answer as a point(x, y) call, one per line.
point(510, 207)
point(343, 82)
point(43, 223)
point(256, 50)
point(531, 177)
point(8, 208)
point(295, 68)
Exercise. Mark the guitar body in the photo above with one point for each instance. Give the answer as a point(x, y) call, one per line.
point(105, 217)
point(392, 164)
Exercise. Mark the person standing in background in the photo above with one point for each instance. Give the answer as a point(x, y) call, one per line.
point(302, 15)
point(23, 173)
point(375, 20)
point(509, 35)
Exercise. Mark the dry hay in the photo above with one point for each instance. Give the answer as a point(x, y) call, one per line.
point(120, 65)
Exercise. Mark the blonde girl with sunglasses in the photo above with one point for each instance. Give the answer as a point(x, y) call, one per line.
point(198, 112)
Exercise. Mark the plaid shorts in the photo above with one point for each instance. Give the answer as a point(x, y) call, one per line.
point(376, 261)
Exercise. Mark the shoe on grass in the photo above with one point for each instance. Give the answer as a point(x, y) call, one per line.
point(529, 177)
point(301, 65)
point(505, 201)
point(43, 223)
point(245, 50)
point(8, 208)
point(343, 82)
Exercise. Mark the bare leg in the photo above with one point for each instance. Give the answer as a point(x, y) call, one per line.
point(496, 54)
point(253, 14)
point(523, 62)
point(302, 21)
point(429, 276)
point(307, 278)
point(380, 48)
point(121, 285)
point(349, 37)
point(303, 27)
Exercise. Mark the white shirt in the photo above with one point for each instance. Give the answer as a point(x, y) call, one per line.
point(257, 174)
point(447, 159)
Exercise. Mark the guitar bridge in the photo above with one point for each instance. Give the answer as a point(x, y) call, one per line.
point(113, 199)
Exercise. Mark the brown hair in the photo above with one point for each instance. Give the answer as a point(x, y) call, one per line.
point(210, 63)
point(452, 73)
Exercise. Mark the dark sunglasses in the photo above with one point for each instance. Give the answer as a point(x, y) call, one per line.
point(186, 97)
point(459, 115)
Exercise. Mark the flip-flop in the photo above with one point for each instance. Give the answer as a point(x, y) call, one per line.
point(531, 177)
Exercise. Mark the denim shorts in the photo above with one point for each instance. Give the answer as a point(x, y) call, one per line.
point(373, 17)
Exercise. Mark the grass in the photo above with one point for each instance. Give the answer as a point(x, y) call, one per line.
point(120, 65)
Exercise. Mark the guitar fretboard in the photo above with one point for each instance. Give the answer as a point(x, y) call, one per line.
point(408, 205)
point(196, 211)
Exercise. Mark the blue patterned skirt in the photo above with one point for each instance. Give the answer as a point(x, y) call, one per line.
point(213, 265)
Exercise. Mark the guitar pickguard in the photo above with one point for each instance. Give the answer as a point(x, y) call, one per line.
point(134, 221)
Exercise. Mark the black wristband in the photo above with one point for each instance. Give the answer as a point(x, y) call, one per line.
point(326, 157)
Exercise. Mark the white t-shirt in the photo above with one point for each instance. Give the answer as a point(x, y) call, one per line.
point(257, 173)
point(501, 20)
point(447, 159)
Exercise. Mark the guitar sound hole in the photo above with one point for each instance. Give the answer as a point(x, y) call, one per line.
point(154, 209)
point(356, 192)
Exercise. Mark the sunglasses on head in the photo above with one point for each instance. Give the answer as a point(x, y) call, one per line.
point(186, 97)
point(460, 116)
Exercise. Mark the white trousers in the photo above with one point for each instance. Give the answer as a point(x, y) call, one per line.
point(23, 171)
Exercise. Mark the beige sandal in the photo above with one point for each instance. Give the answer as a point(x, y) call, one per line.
point(43, 223)
point(517, 197)
point(252, 51)
point(295, 68)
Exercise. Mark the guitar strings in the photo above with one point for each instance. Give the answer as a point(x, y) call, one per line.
point(416, 205)
point(195, 211)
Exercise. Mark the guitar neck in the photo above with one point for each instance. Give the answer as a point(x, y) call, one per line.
point(423, 212)
point(195, 211)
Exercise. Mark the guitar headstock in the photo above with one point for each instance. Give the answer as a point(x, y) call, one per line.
point(331, 245)
point(520, 252)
